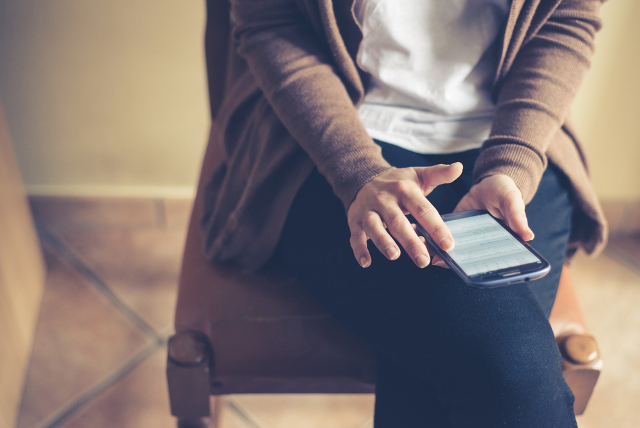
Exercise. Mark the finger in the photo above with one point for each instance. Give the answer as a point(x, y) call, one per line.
point(359, 246)
point(437, 261)
point(513, 212)
point(420, 237)
point(375, 230)
point(426, 214)
point(399, 226)
point(432, 176)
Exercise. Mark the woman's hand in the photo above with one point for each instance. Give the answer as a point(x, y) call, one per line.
point(380, 208)
point(499, 195)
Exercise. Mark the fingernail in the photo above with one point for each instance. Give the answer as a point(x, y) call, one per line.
point(392, 252)
point(440, 263)
point(446, 244)
point(364, 262)
point(422, 261)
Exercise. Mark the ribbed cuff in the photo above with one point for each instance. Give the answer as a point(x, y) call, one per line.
point(524, 165)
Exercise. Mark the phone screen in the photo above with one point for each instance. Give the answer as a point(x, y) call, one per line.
point(482, 245)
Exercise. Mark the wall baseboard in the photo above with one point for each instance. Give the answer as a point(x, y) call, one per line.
point(90, 191)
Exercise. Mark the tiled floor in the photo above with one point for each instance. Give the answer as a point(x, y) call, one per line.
point(99, 354)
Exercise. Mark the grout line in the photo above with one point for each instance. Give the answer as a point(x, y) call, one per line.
point(242, 415)
point(48, 236)
point(167, 332)
point(65, 413)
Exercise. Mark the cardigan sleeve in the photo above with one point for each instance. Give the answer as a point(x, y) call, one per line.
point(293, 66)
point(535, 95)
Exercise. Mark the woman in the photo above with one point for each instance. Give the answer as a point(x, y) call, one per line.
point(304, 181)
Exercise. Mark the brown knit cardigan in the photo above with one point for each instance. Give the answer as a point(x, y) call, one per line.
point(290, 95)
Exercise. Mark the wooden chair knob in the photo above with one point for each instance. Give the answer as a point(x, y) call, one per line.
point(188, 348)
point(581, 349)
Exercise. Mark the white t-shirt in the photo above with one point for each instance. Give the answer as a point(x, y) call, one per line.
point(432, 63)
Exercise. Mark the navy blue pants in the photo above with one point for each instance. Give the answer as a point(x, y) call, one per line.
point(447, 355)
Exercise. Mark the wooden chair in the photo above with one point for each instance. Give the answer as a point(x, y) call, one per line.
point(238, 332)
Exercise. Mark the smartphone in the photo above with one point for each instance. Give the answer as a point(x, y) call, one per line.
point(487, 253)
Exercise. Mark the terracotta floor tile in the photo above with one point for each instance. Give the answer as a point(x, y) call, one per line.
point(84, 212)
point(609, 295)
point(140, 265)
point(137, 400)
point(307, 410)
point(80, 339)
point(177, 212)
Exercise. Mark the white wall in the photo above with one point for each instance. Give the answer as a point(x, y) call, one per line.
point(105, 97)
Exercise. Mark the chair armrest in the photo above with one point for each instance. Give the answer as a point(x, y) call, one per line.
point(581, 359)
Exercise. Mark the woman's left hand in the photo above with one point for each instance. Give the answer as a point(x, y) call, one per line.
point(499, 195)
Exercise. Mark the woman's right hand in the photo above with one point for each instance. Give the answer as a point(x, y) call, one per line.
point(379, 212)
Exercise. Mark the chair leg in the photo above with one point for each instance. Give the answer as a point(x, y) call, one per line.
point(188, 377)
point(210, 422)
point(193, 423)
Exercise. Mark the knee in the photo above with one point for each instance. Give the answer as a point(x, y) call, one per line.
point(520, 388)
point(529, 377)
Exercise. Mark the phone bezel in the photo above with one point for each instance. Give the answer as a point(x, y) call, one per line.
point(501, 277)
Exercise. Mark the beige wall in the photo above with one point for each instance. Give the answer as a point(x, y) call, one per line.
point(109, 97)
point(607, 110)
point(105, 96)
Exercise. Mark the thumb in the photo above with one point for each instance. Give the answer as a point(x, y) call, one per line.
point(517, 221)
point(432, 176)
